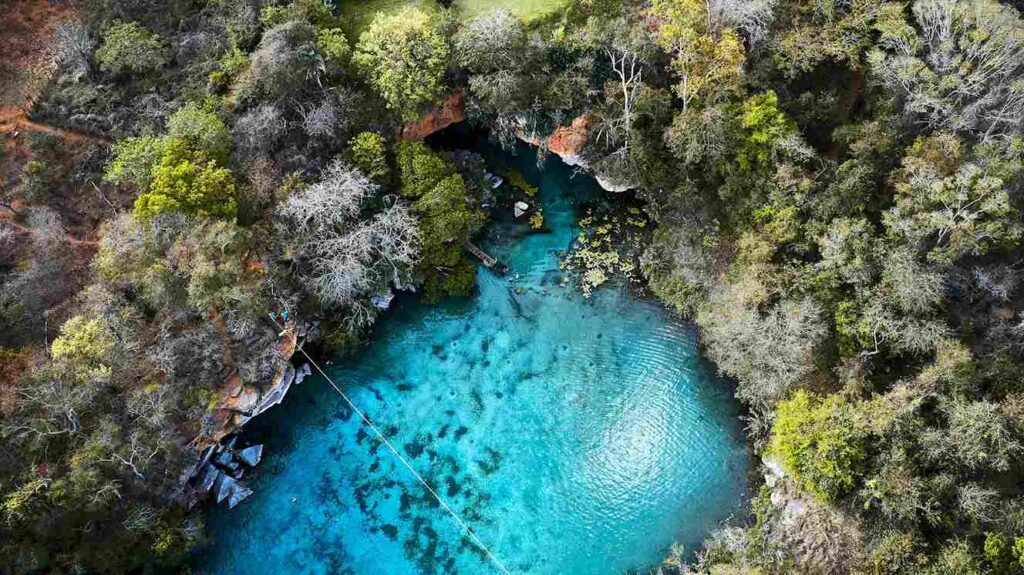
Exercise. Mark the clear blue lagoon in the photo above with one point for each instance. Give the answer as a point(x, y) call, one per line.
point(576, 436)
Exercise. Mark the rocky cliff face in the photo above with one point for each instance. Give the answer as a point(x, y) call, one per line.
point(566, 142)
point(451, 111)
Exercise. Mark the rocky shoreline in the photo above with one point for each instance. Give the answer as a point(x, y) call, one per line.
point(221, 462)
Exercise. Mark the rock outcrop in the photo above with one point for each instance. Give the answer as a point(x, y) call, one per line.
point(567, 143)
point(241, 401)
point(818, 538)
point(451, 111)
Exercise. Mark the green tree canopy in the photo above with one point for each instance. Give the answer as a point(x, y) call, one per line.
point(404, 58)
point(820, 443)
point(202, 130)
point(128, 47)
point(188, 182)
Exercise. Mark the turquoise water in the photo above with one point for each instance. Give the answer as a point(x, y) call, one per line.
point(576, 436)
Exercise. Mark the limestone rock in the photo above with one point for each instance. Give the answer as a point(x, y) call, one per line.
point(251, 455)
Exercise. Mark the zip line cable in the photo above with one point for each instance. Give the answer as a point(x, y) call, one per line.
point(473, 536)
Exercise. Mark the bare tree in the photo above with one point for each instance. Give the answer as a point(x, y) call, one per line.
point(963, 71)
point(346, 258)
point(333, 201)
point(48, 406)
point(769, 352)
point(74, 46)
point(752, 17)
point(320, 120)
point(628, 68)
point(136, 455)
point(259, 129)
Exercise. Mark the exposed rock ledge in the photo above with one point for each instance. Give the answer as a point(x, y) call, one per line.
point(220, 464)
point(451, 111)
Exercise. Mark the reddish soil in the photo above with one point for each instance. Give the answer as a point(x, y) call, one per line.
point(27, 65)
point(27, 62)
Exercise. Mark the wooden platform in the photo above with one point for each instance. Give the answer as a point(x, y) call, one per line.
point(488, 260)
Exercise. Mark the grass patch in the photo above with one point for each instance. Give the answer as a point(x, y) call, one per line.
point(357, 14)
point(527, 10)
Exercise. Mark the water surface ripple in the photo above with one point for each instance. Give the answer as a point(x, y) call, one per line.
point(576, 436)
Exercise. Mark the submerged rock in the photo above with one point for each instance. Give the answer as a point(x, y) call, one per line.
point(251, 455)
point(241, 493)
point(224, 486)
point(383, 300)
point(208, 477)
point(520, 208)
point(302, 373)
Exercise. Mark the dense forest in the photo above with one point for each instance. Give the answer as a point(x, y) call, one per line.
point(835, 189)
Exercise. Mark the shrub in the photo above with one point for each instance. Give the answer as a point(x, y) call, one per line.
point(128, 47)
point(333, 46)
point(820, 443)
point(369, 154)
point(134, 160)
point(202, 130)
point(763, 125)
point(446, 222)
point(83, 348)
point(281, 65)
point(188, 182)
point(419, 168)
point(36, 181)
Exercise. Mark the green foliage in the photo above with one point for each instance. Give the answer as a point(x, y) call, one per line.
point(419, 168)
point(128, 47)
point(820, 442)
point(763, 126)
point(83, 348)
point(446, 222)
point(370, 155)
point(201, 130)
point(951, 206)
point(404, 58)
point(188, 182)
point(135, 159)
point(231, 64)
point(285, 62)
point(999, 554)
point(36, 181)
point(333, 46)
point(821, 34)
point(956, 67)
point(954, 559)
point(707, 58)
point(215, 269)
point(313, 11)
point(896, 554)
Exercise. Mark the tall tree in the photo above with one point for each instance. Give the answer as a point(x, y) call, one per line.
point(404, 58)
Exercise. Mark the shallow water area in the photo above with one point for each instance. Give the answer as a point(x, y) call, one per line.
point(576, 436)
